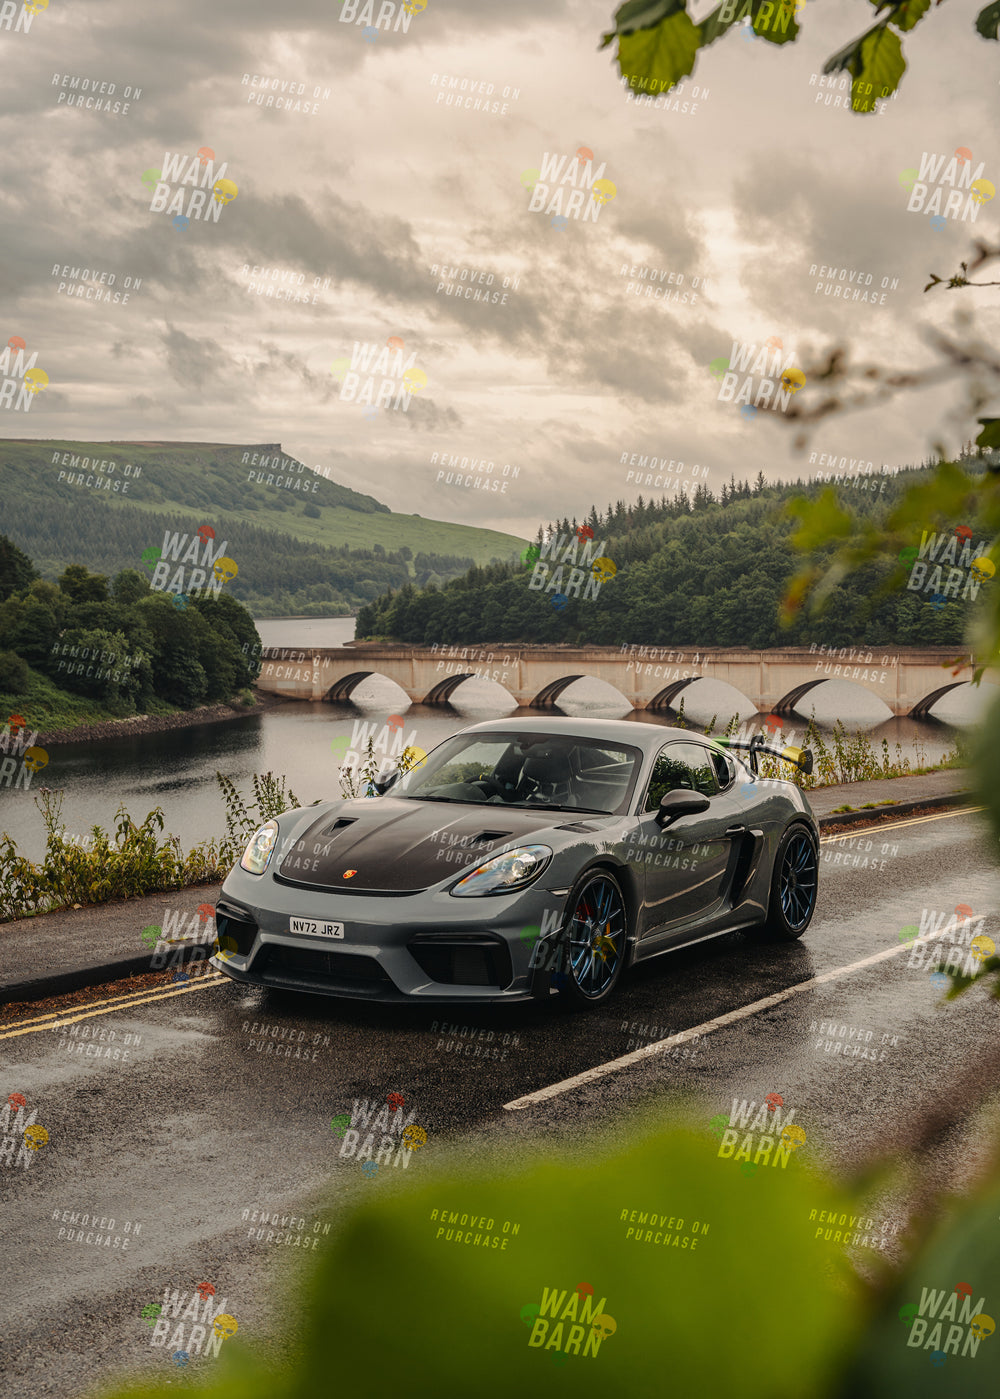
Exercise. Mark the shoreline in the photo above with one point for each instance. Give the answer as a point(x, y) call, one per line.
point(160, 723)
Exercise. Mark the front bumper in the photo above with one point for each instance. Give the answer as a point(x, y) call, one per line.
point(428, 946)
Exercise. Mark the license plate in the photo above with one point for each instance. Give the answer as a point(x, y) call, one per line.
point(311, 926)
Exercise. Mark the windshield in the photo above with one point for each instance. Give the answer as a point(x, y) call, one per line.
point(561, 773)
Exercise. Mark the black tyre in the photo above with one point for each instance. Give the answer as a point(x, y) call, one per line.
point(794, 885)
point(592, 942)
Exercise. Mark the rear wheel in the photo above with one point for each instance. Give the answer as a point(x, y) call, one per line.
point(794, 885)
point(593, 940)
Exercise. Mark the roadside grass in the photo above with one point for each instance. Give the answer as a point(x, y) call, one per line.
point(136, 860)
point(842, 757)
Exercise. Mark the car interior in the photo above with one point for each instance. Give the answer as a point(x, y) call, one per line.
point(578, 776)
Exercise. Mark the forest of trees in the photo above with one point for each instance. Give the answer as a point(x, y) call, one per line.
point(700, 571)
point(136, 643)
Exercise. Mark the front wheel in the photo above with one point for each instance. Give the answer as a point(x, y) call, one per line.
point(794, 885)
point(593, 940)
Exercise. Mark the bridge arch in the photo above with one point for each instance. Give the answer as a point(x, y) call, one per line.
point(343, 688)
point(787, 704)
point(922, 708)
point(664, 699)
point(442, 692)
point(548, 695)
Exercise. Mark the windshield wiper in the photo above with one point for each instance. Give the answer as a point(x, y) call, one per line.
point(456, 801)
point(544, 806)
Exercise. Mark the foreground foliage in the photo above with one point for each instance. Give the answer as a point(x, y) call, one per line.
point(449, 1318)
point(659, 43)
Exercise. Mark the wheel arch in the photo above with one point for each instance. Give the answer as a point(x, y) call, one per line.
point(629, 885)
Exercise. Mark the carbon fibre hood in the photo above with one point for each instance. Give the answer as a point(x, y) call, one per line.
point(404, 846)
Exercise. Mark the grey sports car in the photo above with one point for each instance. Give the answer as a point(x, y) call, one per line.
point(520, 857)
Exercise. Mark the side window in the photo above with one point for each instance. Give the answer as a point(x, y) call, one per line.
point(725, 770)
point(681, 765)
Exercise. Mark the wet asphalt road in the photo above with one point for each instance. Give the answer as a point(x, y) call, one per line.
point(199, 1125)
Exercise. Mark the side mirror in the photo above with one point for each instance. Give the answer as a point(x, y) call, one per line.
point(680, 802)
point(383, 786)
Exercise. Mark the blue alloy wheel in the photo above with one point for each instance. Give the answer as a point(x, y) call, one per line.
point(794, 884)
point(595, 939)
point(798, 881)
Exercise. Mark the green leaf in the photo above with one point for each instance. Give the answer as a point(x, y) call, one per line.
point(965, 1247)
point(644, 14)
point(990, 435)
point(987, 20)
point(849, 57)
point(882, 66)
point(761, 1242)
point(820, 521)
point(908, 14)
point(778, 24)
point(660, 57)
point(640, 14)
point(855, 56)
point(713, 25)
point(987, 765)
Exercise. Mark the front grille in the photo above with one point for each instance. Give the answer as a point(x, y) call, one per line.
point(346, 967)
point(234, 929)
point(463, 960)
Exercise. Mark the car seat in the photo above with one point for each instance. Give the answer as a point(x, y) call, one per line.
point(552, 775)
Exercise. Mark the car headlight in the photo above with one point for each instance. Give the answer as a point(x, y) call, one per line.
point(505, 873)
point(258, 852)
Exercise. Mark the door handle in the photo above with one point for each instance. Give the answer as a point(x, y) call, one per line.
point(736, 831)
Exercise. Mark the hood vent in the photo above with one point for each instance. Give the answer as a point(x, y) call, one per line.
point(339, 825)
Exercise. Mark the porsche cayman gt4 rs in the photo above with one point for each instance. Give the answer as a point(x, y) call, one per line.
point(523, 856)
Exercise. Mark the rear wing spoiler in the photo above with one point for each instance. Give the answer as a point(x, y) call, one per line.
point(801, 758)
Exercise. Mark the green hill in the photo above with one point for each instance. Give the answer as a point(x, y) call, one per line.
point(347, 550)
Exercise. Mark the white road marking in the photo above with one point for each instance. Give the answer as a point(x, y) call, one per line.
point(648, 1051)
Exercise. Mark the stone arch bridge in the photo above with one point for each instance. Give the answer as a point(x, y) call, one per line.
point(908, 680)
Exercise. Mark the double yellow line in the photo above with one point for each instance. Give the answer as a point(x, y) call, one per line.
point(56, 1019)
point(897, 825)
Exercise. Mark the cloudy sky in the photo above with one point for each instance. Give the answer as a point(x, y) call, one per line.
point(745, 192)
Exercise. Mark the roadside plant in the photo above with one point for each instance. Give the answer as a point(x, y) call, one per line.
point(270, 799)
point(361, 782)
point(137, 859)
